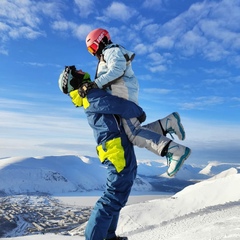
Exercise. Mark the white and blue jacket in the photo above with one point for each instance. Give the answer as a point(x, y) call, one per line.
point(115, 74)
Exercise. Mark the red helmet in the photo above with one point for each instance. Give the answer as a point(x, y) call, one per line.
point(94, 38)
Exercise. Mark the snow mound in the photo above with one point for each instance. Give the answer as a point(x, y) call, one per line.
point(221, 190)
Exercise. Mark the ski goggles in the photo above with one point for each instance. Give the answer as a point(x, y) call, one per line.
point(93, 48)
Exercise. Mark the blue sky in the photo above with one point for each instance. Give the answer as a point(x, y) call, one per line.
point(187, 60)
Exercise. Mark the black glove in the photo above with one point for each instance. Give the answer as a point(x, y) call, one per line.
point(84, 89)
point(142, 118)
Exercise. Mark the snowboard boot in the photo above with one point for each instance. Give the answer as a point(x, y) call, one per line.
point(172, 124)
point(176, 154)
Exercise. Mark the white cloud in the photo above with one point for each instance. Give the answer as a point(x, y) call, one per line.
point(63, 25)
point(206, 28)
point(157, 68)
point(224, 85)
point(157, 62)
point(3, 50)
point(27, 133)
point(3, 26)
point(191, 42)
point(216, 71)
point(39, 64)
point(19, 13)
point(164, 42)
point(79, 31)
point(142, 22)
point(52, 9)
point(18, 122)
point(153, 4)
point(119, 11)
point(156, 57)
point(22, 19)
point(235, 61)
point(12, 104)
point(236, 99)
point(25, 32)
point(82, 31)
point(157, 90)
point(219, 32)
point(85, 7)
point(141, 49)
point(152, 30)
point(202, 102)
point(214, 51)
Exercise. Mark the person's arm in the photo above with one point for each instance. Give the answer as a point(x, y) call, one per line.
point(108, 104)
point(116, 64)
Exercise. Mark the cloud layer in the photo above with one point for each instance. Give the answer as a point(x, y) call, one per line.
point(187, 59)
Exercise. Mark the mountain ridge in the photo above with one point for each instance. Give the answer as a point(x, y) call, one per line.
point(72, 173)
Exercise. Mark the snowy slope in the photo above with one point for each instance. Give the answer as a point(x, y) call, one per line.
point(208, 201)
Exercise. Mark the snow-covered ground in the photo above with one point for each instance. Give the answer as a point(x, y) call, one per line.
point(207, 210)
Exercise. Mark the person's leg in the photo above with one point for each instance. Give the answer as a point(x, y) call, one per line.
point(170, 124)
point(103, 221)
point(176, 154)
point(98, 223)
point(113, 226)
point(144, 137)
point(155, 127)
point(159, 144)
point(120, 188)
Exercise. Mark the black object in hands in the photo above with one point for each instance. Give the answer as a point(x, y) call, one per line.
point(78, 78)
point(142, 118)
point(84, 89)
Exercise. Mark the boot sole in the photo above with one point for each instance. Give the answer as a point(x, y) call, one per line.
point(177, 116)
point(180, 162)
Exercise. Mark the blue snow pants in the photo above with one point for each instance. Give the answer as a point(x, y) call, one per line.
point(103, 221)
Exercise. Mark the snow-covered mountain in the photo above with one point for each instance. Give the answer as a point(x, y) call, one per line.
point(61, 174)
point(207, 209)
point(55, 174)
point(214, 168)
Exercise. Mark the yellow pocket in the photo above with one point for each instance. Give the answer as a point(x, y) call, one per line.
point(113, 152)
point(76, 99)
